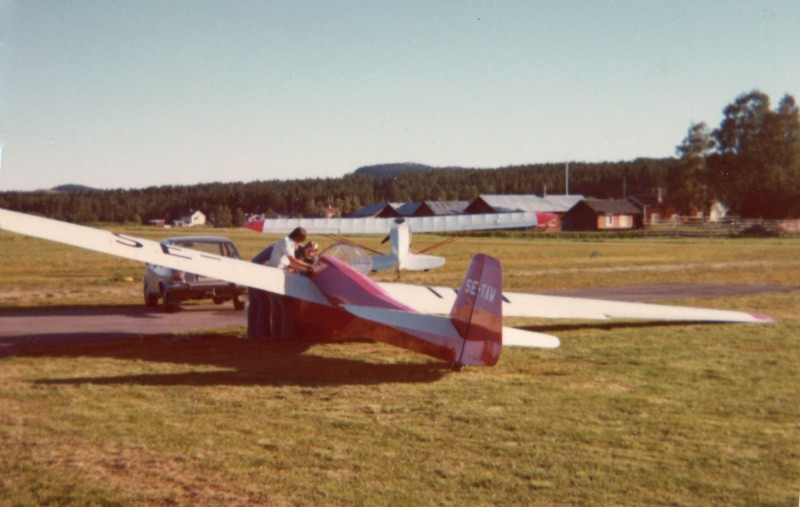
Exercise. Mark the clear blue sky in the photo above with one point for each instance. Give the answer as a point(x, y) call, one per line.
point(133, 93)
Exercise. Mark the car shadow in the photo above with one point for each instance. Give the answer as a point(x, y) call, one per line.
point(243, 362)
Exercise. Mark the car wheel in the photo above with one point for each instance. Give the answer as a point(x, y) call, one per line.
point(218, 300)
point(169, 304)
point(238, 304)
point(150, 300)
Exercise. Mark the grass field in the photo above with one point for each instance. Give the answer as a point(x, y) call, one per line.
point(622, 414)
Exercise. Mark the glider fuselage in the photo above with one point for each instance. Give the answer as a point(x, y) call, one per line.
point(342, 285)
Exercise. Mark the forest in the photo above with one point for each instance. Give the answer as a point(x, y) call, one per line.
point(751, 163)
point(228, 203)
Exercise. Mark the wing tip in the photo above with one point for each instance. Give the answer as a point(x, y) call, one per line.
point(549, 345)
point(760, 318)
point(514, 337)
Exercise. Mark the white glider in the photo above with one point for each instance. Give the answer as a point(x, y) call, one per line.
point(399, 230)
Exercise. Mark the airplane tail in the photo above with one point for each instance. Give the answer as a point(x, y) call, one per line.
point(477, 313)
point(473, 333)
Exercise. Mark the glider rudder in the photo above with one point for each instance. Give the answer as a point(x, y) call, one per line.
point(478, 312)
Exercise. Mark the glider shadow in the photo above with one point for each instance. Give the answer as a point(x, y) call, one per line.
point(244, 362)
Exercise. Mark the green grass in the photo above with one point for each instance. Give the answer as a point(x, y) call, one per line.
point(622, 414)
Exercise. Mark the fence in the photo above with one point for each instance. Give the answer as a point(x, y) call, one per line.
point(730, 227)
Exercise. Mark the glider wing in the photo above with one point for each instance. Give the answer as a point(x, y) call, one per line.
point(431, 299)
point(373, 225)
point(144, 250)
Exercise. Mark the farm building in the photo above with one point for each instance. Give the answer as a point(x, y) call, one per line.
point(556, 204)
point(194, 219)
point(601, 215)
point(653, 208)
point(377, 210)
point(432, 208)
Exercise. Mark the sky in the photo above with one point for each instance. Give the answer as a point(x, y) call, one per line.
point(131, 94)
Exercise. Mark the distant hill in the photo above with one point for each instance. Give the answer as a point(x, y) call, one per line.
point(71, 188)
point(381, 171)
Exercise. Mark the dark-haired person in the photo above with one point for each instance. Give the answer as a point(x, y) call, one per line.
point(308, 252)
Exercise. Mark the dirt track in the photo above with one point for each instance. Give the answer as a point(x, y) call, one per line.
point(52, 326)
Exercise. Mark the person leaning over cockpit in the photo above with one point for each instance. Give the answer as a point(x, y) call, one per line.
point(308, 252)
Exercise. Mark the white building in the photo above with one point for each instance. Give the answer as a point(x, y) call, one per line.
point(193, 220)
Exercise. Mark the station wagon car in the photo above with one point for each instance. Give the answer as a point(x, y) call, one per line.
point(172, 287)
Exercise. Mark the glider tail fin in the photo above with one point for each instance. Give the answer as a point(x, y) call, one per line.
point(478, 312)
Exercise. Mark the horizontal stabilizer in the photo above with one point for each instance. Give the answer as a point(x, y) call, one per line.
point(419, 262)
point(383, 262)
point(513, 337)
point(411, 262)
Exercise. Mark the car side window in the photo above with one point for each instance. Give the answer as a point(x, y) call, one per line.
point(230, 251)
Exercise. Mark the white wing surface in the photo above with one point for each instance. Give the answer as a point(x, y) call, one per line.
point(581, 308)
point(513, 337)
point(383, 262)
point(411, 262)
point(372, 225)
point(443, 326)
point(421, 262)
point(439, 300)
point(143, 250)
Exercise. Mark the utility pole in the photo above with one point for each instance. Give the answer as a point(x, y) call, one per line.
point(566, 177)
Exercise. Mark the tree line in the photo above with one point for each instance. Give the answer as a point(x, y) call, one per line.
point(751, 163)
point(227, 204)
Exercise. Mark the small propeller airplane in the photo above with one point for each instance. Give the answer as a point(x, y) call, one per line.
point(399, 232)
point(338, 302)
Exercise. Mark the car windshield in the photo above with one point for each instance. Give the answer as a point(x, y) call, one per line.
point(212, 247)
point(354, 256)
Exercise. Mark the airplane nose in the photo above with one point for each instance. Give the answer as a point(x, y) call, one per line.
point(256, 225)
